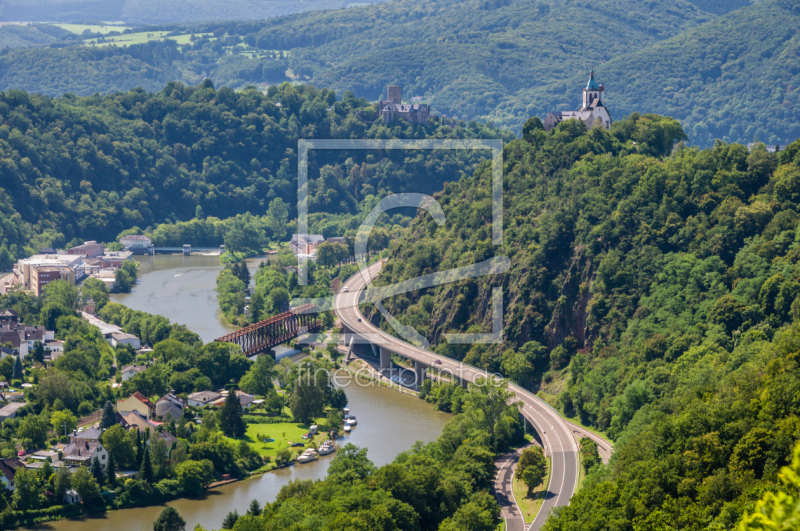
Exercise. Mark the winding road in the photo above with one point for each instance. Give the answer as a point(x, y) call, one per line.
point(556, 433)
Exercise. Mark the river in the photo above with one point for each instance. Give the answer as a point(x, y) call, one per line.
point(182, 289)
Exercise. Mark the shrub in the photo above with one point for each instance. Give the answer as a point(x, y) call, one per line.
point(168, 489)
point(64, 439)
point(85, 408)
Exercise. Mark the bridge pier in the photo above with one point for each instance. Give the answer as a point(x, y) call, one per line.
point(386, 358)
point(187, 249)
point(420, 371)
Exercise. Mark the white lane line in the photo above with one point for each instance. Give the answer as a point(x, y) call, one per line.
point(409, 351)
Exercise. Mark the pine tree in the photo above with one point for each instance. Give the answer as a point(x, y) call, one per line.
point(170, 519)
point(146, 471)
point(97, 471)
point(230, 519)
point(255, 508)
point(17, 373)
point(139, 448)
point(111, 472)
point(231, 420)
point(109, 416)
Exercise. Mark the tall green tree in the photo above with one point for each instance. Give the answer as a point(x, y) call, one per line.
point(258, 380)
point(169, 520)
point(308, 398)
point(111, 471)
point(62, 484)
point(146, 470)
point(230, 416)
point(62, 293)
point(26, 490)
point(17, 372)
point(109, 417)
point(532, 467)
point(98, 472)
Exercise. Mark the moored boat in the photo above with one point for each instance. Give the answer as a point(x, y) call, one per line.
point(307, 456)
point(327, 448)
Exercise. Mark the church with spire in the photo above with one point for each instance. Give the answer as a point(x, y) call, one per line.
point(593, 108)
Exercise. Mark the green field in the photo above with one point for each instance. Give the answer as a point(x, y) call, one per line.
point(284, 433)
point(80, 28)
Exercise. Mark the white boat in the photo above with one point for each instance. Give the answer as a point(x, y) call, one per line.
point(307, 456)
point(327, 448)
point(347, 428)
point(351, 421)
point(346, 411)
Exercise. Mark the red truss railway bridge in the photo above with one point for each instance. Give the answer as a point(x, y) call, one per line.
point(264, 335)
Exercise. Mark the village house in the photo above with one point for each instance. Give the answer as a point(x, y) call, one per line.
point(136, 402)
point(203, 398)
point(19, 338)
point(82, 453)
point(129, 371)
point(9, 411)
point(170, 406)
point(8, 467)
point(87, 435)
point(123, 338)
point(245, 400)
point(305, 244)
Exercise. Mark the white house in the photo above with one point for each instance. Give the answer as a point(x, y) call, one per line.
point(129, 371)
point(83, 453)
point(203, 398)
point(121, 338)
point(8, 467)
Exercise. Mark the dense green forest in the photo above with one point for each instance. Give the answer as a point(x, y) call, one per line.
point(653, 295)
point(94, 167)
point(735, 78)
point(157, 11)
point(723, 67)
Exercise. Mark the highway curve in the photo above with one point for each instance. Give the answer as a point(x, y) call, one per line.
point(555, 433)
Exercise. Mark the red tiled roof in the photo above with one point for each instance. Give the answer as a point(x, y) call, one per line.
point(139, 396)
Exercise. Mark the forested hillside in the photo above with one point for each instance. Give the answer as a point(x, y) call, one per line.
point(736, 78)
point(94, 167)
point(724, 68)
point(157, 11)
point(653, 294)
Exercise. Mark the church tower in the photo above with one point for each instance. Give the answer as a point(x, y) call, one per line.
point(593, 111)
point(592, 92)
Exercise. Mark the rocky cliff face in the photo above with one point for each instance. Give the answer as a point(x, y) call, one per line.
point(569, 317)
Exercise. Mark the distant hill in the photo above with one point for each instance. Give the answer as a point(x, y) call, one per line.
point(729, 76)
point(467, 57)
point(736, 78)
point(159, 11)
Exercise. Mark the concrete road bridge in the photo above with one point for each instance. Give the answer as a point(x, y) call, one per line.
point(558, 436)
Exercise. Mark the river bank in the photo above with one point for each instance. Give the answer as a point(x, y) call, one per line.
point(182, 289)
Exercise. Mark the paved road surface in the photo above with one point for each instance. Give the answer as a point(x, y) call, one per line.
point(556, 434)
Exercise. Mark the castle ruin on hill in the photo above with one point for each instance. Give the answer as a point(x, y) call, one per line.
point(393, 107)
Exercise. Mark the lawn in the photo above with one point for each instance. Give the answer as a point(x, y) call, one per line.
point(284, 433)
point(530, 506)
